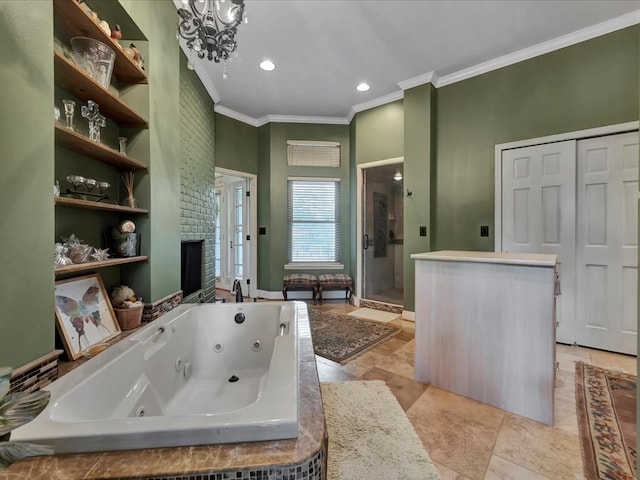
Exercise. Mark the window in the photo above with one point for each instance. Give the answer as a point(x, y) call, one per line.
point(313, 213)
point(305, 153)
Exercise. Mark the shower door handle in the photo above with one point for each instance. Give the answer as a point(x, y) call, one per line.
point(365, 242)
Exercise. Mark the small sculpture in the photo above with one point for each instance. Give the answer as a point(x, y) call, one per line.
point(137, 57)
point(116, 33)
point(91, 111)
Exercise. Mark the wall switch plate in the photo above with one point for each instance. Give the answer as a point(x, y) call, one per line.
point(484, 230)
point(423, 231)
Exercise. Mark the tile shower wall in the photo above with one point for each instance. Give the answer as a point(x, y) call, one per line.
point(197, 172)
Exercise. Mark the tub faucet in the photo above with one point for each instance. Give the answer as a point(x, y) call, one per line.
point(237, 288)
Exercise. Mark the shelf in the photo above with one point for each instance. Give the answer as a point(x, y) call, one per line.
point(74, 80)
point(71, 18)
point(83, 267)
point(79, 143)
point(93, 205)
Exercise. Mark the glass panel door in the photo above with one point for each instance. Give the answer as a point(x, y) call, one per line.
point(382, 243)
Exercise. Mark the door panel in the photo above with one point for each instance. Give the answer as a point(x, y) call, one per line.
point(607, 178)
point(538, 214)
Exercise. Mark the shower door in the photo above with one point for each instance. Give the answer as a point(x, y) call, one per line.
point(382, 249)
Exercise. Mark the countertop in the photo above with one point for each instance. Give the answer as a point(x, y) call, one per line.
point(524, 259)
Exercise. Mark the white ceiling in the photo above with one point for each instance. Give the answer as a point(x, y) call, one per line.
point(323, 48)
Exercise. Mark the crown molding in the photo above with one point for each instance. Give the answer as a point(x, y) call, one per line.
point(432, 77)
point(241, 117)
point(558, 43)
point(375, 102)
point(429, 77)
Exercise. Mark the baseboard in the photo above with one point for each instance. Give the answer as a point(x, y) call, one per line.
point(301, 295)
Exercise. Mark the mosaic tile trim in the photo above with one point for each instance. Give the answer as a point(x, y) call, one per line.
point(153, 310)
point(313, 469)
point(385, 307)
point(36, 374)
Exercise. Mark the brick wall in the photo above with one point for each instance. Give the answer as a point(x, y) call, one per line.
point(197, 171)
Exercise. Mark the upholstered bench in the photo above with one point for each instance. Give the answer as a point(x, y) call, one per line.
point(300, 281)
point(335, 281)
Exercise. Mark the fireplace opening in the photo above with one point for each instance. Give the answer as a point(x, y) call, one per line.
point(191, 267)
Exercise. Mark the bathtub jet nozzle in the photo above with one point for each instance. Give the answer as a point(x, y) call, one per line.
point(239, 318)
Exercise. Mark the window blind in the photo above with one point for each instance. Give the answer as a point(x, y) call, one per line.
point(313, 211)
point(313, 153)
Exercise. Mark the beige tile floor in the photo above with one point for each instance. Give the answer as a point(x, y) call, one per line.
point(469, 440)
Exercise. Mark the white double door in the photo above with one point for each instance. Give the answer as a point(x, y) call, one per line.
point(578, 199)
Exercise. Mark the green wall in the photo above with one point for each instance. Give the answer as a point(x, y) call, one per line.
point(26, 181)
point(158, 21)
point(271, 262)
point(379, 133)
point(236, 145)
point(419, 150)
point(27, 324)
point(197, 174)
point(587, 85)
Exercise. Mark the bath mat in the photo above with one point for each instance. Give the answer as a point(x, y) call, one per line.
point(370, 437)
point(341, 337)
point(375, 315)
point(606, 407)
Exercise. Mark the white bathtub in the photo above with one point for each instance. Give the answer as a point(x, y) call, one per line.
point(171, 383)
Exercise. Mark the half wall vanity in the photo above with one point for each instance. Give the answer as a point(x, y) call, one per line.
point(485, 327)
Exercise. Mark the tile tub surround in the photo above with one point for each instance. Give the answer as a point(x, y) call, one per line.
point(301, 458)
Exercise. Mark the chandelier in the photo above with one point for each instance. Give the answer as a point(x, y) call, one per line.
point(210, 27)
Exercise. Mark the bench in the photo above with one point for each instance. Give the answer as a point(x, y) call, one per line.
point(300, 281)
point(335, 281)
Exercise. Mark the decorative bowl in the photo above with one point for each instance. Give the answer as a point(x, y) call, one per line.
point(95, 58)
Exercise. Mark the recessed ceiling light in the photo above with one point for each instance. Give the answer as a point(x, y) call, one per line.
point(267, 65)
point(363, 87)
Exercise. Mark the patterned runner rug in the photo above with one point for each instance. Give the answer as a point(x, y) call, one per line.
point(341, 337)
point(606, 405)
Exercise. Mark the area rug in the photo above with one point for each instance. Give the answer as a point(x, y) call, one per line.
point(375, 315)
point(370, 437)
point(606, 407)
point(341, 337)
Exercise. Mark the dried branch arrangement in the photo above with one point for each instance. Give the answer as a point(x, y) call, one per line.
point(127, 179)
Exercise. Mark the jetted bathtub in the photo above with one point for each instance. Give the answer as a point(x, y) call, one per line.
point(200, 374)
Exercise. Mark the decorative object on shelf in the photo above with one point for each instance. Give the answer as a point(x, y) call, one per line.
point(16, 409)
point(84, 314)
point(56, 189)
point(104, 25)
point(56, 113)
point(210, 30)
point(69, 110)
point(122, 145)
point(88, 189)
point(116, 33)
point(128, 180)
point(95, 58)
point(126, 226)
point(77, 251)
point(91, 111)
point(128, 308)
point(100, 255)
point(60, 257)
point(125, 244)
point(137, 56)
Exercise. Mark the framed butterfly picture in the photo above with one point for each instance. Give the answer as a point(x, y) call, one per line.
point(84, 314)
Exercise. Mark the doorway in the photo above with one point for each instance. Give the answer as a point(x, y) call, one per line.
point(235, 251)
point(381, 236)
point(577, 198)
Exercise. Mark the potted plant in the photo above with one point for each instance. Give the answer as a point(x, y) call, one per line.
point(16, 409)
